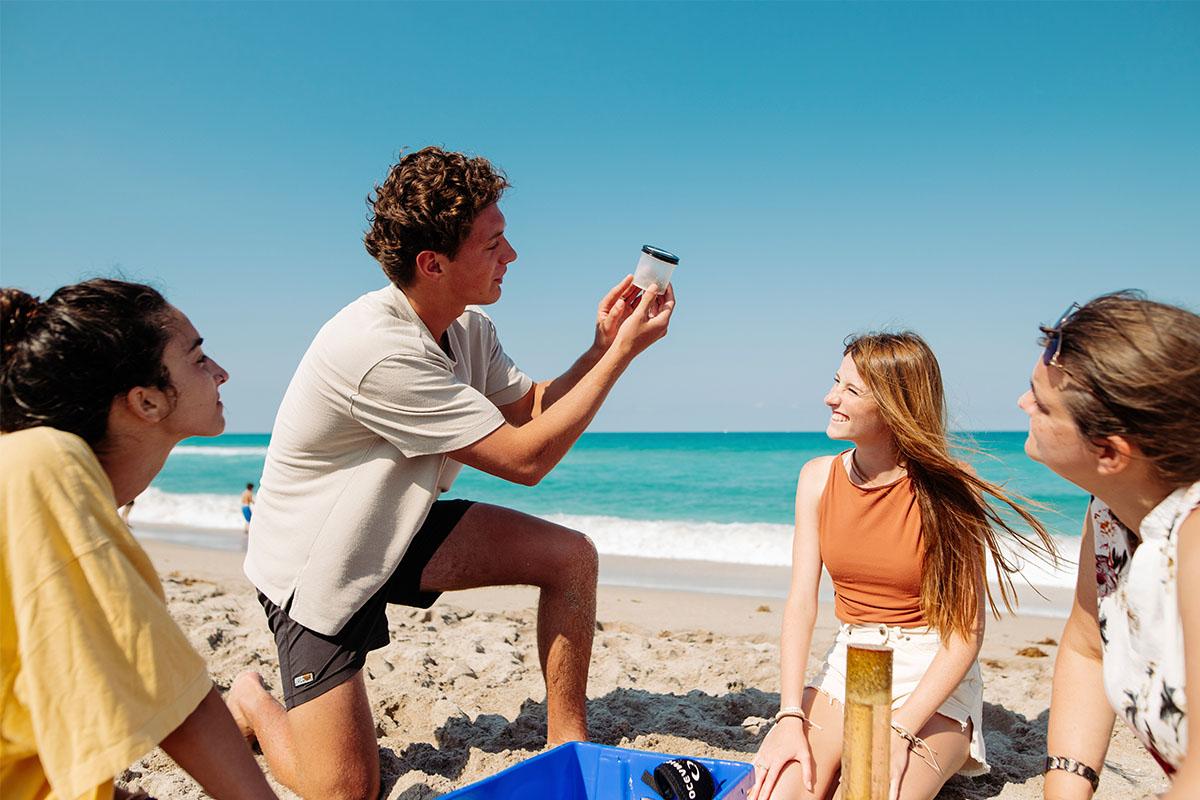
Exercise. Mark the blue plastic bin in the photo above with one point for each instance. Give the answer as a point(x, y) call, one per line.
point(585, 771)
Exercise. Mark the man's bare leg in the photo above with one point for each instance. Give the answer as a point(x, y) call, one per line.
point(326, 748)
point(332, 736)
point(494, 546)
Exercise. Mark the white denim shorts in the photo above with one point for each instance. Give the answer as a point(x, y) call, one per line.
point(913, 650)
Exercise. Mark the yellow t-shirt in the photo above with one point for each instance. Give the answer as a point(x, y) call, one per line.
point(94, 673)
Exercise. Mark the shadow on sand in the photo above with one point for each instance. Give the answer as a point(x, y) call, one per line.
point(1016, 745)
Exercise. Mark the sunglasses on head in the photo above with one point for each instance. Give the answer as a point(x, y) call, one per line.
point(1054, 337)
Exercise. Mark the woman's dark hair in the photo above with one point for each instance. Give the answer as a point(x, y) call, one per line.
point(1133, 369)
point(65, 360)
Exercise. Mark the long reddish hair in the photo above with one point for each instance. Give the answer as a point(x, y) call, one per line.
point(960, 527)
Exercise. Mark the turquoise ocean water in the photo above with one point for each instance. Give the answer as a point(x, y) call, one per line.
point(709, 496)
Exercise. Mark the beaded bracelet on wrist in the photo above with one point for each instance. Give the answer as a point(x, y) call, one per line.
point(794, 711)
point(917, 744)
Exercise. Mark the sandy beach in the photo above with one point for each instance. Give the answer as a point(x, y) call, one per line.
point(458, 695)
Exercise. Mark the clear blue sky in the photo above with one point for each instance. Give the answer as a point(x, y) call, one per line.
point(967, 170)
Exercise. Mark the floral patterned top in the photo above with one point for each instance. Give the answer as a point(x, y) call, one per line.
point(1140, 628)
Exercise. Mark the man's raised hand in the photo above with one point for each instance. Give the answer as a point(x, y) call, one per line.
point(614, 309)
point(648, 320)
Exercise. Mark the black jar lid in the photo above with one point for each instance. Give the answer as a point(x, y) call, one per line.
point(661, 255)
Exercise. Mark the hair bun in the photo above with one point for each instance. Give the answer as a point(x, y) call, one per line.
point(17, 310)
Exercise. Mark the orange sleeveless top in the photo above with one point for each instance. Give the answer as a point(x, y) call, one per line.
point(871, 544)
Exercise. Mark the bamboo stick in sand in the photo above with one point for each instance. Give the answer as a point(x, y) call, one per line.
point(866, 747)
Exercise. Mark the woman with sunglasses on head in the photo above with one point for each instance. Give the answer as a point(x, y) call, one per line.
point(1113, 408)
point(97, 384)
point(904, 530)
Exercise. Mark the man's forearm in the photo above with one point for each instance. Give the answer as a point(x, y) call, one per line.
point(561, 422)
point(525, 453)
point(551, 391)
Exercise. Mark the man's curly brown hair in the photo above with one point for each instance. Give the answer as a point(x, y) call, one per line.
point(428, 202)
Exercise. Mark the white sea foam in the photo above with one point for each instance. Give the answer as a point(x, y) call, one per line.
point(210, 511)
point(217, 452)
point(762, 544)
point(734, 543)
point(1038, 571)
point(730, 542)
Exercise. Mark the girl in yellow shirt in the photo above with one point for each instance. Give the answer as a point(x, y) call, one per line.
point(97, 384)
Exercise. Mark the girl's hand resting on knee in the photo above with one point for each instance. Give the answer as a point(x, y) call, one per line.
point(785, 743)
point(899, 766)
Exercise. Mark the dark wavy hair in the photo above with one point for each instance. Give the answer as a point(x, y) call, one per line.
point(1133, 369)
point(428, 202)
point(65, 360)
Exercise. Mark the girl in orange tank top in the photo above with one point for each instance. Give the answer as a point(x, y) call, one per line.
point(870, 539)
point(904, 530)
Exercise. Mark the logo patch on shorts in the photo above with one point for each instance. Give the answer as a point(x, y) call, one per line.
point(303, 680)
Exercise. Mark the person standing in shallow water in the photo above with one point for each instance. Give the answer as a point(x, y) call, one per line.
point(1112, 407)
point(904, 530)
point(247, 503)
point(97, 385)
point(398, 391)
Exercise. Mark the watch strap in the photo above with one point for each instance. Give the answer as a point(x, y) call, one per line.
point(1074, 767)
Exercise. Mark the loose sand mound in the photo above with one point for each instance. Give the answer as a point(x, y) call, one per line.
point(457, 695)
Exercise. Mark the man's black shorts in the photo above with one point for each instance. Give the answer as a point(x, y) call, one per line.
point(312, 663)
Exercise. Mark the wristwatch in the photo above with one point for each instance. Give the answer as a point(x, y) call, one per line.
point(1074, 767)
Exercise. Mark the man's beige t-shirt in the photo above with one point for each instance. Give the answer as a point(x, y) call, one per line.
point(94, 673)
point(358, 452)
